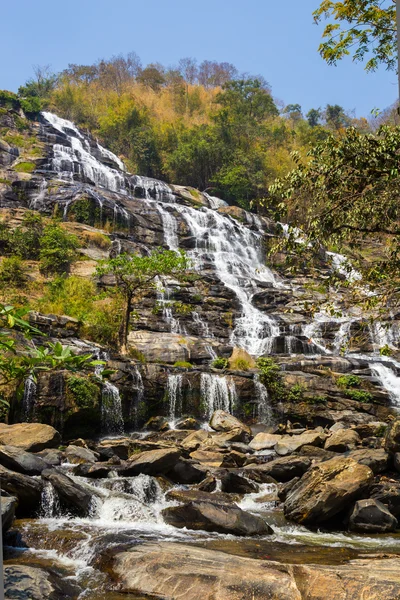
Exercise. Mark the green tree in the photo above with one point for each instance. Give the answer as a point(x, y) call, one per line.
point(364, 28)
point(336, 117)
point(135, 275)
point(57, 249)
point(313, 117)
point(293, 111)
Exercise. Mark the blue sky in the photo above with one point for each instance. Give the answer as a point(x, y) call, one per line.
point(275, 39)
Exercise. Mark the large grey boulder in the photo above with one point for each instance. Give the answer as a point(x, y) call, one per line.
point(27, 490)
point(282, 469)
point(73, 496)
point(31, 437)
point(376, 459)
point(186, 471)
point(23, 582)
point(264, 441)
point(18, 460)
point(223, 421)
point(194, 440)
point(78, 455)
point(153, 462)
point(342, 440)
point(291, 443)
point(387, 492)
point(222, 518)
point(326, 490)
point(371, 516)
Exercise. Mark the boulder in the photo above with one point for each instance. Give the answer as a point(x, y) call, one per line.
point(93, 471)
point(316, 454)
point(51, 456)
point(27, 490)
point(291, 443)
point(157, 424)
point(18, 460)
point(286, 488)
point(73, 496)
point(264, 441)
point(188, 572)
point(188, 423)
point(221, 518)
point(209, 484)
point(208, 457)
point(374, 429)
point(342, 440)
point(371, 516)
point(226, 438)
point(235, 483)
point(78, 455)
point(392, 438)
point(194, 495)
point(326, 490)
point(22, 582)
point(282, 469)
point(377, 460)
point(195, 439)
point(396, 461)
point(8, 507)
point(31, 437)
point(240, 360)
point(234, 459)
point(387, 492)
point(186, 471)
point(152, 462)
point(223, 421)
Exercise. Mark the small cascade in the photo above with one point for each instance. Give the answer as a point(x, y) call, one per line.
point(163, 300)
point(170, 227)
point(264, 410)
point(215, 202)
point(137, 402)
point(235, 253)
point(342, 265)
point(37, 200)
point(49, 504)
point(112, 420)
point(151, 189)
point(389, 381)
point(217, 393)
point(342, 337)
point(313, 332)
point(203, 327)
point(174, 392)
point(78, 158)
point(384, 334)
point(29, 398)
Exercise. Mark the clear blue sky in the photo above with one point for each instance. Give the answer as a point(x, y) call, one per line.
point(274, 38)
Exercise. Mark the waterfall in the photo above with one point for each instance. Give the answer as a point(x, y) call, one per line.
point(163, 300)
point(174, 392)
point(112, 420)
point(217, 393)
point(235, 252)
point(342, 336)
point(29, 398)
point(389, 380)
point(204, 330)
point(264, 409)
point(138, 386)
point(151, 189)
point(50, 504)
point(170, 227)
point(77, 157)
point(342, 265)
point(215, 202)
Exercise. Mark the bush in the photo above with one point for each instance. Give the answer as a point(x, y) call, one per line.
point(25, 167)
point(183, 364)
point(31, 105)
point(270, 376)
point(26, 239)
point(102, 322)
point(359, 395)
point(296, 393)
point(220, 363)
point(83, 392)
point(13, 271)
point(385, 351)
point(348, 381)
point(58, 250)
point(9, 100)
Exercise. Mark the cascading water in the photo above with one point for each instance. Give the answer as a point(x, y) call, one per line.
point(137, 402)
point(264, 410)
point(77, 157)
point(174, 392)
point(151, 189)
point(112, 421)
point(29, 398)
point(235, 253)
point(389, 380)
point(217, 393)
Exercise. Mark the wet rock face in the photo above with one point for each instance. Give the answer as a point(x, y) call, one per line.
point(32, 437)
point(8, 506)
point(371, 516)
point(326, 490)
point(73, 496)
point(222, 518)
point(23, 462)
point(27, 490)
point(23, 581)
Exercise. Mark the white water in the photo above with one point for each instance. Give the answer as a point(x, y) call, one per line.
point(112, 420)
point(389, 380)
point(174, 392)
point(29, 399)
point(217, 393)
point(264, 408)
point(78, 158)
point(152, 189)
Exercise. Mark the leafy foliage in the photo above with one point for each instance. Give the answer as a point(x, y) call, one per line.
point(220, 363)
point(57, 249)
point(348, 381)
point(365, 28)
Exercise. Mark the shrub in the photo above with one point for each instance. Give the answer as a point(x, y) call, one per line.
point(359, 395)
point(135, 353)
point(241, 364)
point(385, 351)
point(296, 393)
point(102, 322)
point(9, 100)
point(220, 363)
point(82, 391)
point(72, 296)
point(58, 250)
point(348, 381)
point(25, 167)
point(13, 271)
point(183, 364)
point(95, 238)
point(270, 376)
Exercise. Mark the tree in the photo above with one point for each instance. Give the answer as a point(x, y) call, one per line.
point(188, 69)
point(135, 275)
point(336, 117)
point(313, 117)
point(247, 98)
point(347, 191)
point(152, 77)
point(293, 111)
point(364, 28)
point(57, 249)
